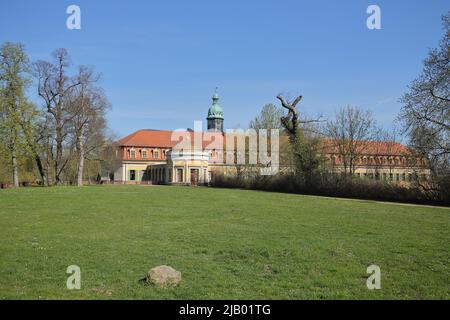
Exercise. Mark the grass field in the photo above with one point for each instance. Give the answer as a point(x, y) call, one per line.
point(230, 244)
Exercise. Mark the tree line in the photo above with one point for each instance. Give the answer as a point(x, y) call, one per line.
point(60, 141)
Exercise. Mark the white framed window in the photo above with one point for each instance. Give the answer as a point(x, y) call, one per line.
point(144, 154)
point(133, 154)
point(155, 154)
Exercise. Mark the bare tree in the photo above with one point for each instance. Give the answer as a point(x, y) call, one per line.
point(426, 107)
point(86, 105)
point(304, 152)
point(110, 157)
point(268, 118)
point(349, 133)
point(291, 122)
point(53, 86)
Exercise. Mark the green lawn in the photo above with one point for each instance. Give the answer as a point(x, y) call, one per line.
point(228, 244)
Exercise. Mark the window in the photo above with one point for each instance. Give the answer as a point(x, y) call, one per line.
point(133, 154)
point(403, 176)
point(132, 175)
point(397, 177)
point(144, 154)
point(155, 154)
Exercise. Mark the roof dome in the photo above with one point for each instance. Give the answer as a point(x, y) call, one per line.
point(215, 111)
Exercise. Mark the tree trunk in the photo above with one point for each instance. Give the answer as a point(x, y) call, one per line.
point(41, 169)
point(59, 147)
point(48, 168)
point(14, 167)
point(80, 149)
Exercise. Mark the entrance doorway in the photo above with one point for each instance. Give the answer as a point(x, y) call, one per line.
point(194, 177)
point(179, 175)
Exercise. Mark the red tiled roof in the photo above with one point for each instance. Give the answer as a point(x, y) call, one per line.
point(370, 147)
point(147, 138)
point(160, 138)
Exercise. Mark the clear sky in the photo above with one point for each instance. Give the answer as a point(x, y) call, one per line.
point(162, 60)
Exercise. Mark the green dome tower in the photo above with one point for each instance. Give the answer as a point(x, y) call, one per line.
point(215, 115)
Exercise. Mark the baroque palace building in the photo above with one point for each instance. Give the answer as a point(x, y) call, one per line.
point(147, 157)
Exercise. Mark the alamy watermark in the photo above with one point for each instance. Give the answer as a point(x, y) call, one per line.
point(374, 280)
point(236, 147)
point(374, 20)
point(74, 20)
point(74, 280)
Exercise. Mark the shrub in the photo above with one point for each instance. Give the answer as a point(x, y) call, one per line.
point(333, 186)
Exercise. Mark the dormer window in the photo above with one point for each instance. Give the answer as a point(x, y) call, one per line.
point(133, 154)
point(155, 154)
point(144, 154)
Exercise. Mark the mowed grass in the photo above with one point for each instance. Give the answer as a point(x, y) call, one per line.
point(228, 244)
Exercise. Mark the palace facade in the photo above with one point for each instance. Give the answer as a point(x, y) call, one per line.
point(148, 157)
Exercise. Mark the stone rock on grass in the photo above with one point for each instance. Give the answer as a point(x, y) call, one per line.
point(164, 276)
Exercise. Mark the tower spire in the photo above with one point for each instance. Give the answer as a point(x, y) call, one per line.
point(215, 114)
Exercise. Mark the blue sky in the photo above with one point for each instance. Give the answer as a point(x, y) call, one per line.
point(162, 60)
